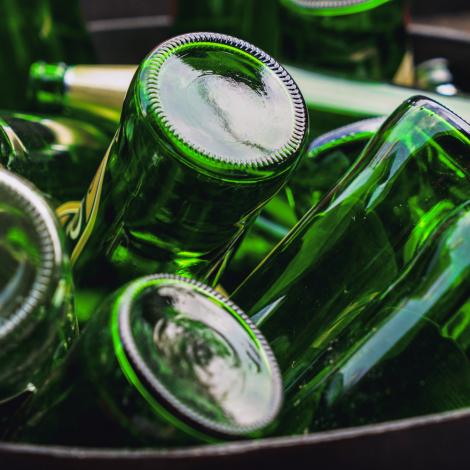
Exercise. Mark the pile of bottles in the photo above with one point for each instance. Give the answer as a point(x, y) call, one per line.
point(215, 245)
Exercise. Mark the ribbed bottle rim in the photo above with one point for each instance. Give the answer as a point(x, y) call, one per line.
point(42, 221)
point(162, 394)
point(344, 5)
point(157, 58)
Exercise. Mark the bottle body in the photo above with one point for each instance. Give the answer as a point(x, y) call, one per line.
point(37, 324)
point(57, 154)
point(332, 101)
point(363, 40)
point(405, 355)
point(349, 249)
point(328, 158)
point(92, 93)
point(160, 200)
point(143, 373)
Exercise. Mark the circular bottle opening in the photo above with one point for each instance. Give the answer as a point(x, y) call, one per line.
point(30, 250)
point(199, 356)
point(221, 101)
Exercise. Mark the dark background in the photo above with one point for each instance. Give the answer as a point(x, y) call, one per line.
point(124, 31)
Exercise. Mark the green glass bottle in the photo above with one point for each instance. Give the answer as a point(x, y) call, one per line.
point(166, 361)
point(327, 160)
point(210, 131)
point(406, 354)
point(348, 250)
point(59, 155)
point(363, 39)
point(50, 30)
point(96, 92)
point(92, 93)
point(37, 325)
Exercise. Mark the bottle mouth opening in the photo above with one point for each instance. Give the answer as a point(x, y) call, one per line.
point(230, 97)
point(29, 252)
point(168, 403)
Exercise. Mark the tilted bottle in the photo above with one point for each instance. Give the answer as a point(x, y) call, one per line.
point(90, 92)
point(96, 92)
point(166, 361)
point(59, 155)
point(328, 158)
point(326, 161)
point(364, 39)
point(406, 354)
point(43, 29)
point(362, 237)
point(210, 131)
point(37, 324)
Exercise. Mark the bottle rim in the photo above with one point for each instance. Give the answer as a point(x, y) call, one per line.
point(152, 66)
point(43, 222)
point(357, 131)
point(442, 111)
point(333, 7)
point(170, 407)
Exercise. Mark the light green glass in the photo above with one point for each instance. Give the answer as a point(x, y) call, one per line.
point(166, 361)
point(37, 325)
point(41, 29)
point(210, 131)
point(59, 155)
point(328, 158)
point(93, 93)
point(326, 161)
point(362, 39)
point(360, 240)
point(97, 92)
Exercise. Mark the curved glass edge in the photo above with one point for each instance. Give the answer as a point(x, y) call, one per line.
point(267, 169)
point(166, 406)
point(355, 132)
point(47, 226)
point(328, 7)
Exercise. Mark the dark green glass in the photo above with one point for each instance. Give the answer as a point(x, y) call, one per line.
point(166, 361)
point(350, 248)
point(37, 325)
point(327, 160)
point(41, 29)
point(223, 16)
point(210, 131)
point(362, 39)
point(57, 154)
point(255, 21)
